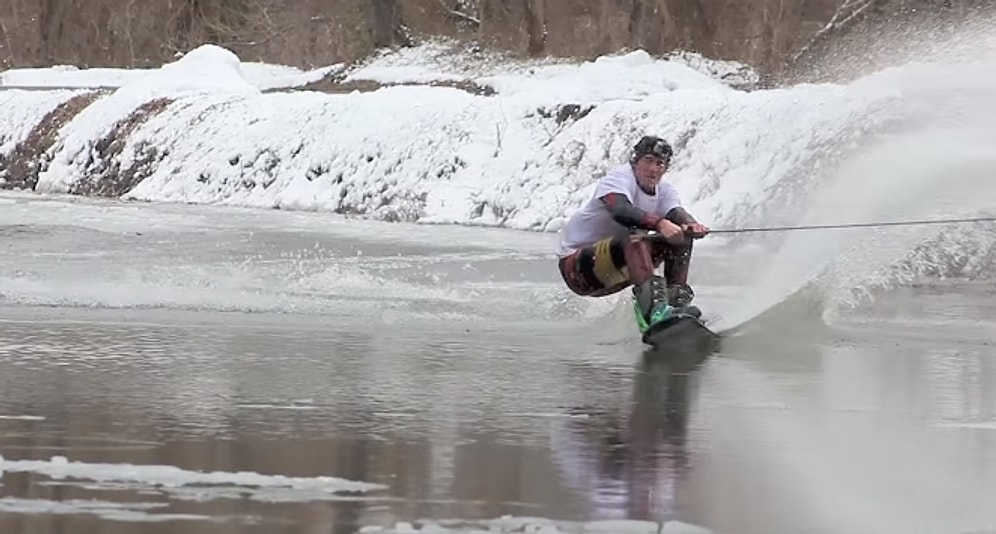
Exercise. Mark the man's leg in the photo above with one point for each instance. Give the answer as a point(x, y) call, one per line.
point(610, 265)
point(651, 303)
point(596, 270)
point(676, 260)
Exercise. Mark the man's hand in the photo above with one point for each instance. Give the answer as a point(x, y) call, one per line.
point(672, 232)
point(696, 230)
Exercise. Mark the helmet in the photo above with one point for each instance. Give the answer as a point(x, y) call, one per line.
point(654, 146)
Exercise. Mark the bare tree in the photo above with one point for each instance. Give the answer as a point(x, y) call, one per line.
point(535, 26)
point(765, 33)
point(384, 21)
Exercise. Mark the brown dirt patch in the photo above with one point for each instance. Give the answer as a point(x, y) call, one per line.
point(104, 174)
point(332, 85)
point(30, 157)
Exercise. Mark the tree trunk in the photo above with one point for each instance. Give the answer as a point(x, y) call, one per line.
point(384, 22)
point(535, 26)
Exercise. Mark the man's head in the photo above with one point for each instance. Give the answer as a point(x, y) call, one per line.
point(650, 159)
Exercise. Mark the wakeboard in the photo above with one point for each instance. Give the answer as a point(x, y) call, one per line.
point(680, 329)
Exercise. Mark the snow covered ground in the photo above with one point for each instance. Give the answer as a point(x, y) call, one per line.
point(431, 154)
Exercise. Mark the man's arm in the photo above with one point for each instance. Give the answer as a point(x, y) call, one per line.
point(688, 224)
point(680, 217)
point(625, 213)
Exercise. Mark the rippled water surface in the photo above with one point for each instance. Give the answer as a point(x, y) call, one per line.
point(182, 369)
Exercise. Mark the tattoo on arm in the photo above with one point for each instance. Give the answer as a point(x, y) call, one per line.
point(628, 215)
point(679, 216)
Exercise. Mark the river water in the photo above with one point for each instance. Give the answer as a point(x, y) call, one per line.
point(218, 370)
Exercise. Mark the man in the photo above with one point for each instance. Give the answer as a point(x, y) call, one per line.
point(602, 252)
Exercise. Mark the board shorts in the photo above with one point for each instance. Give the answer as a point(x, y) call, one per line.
point(600, 269)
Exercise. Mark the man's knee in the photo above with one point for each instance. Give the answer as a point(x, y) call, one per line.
point(598, 269)
point(576, 271)
point(569, 273)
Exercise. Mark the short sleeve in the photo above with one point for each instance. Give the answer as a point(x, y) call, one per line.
point(618, 180)
point(669, 199)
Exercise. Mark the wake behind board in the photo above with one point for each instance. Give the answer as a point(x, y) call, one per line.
point(679, 330)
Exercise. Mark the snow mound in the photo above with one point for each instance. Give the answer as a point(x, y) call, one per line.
point(632, 75)
point(263, 76)
point(207, 69)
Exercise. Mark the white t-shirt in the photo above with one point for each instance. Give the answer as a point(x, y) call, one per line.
point(593, 222)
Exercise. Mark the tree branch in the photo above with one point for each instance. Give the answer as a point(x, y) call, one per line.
point(848, 12)
point(476, 21)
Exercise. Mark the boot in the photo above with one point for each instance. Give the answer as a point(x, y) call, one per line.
point(650, 303)
point(680, 297)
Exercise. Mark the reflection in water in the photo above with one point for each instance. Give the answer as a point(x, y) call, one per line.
point(449, 428)
point(461, 428)
point(630, 465)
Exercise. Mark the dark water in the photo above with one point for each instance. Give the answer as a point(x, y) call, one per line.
point(143, 347)
point(460, 427)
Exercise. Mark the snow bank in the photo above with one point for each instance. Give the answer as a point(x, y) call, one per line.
point(263, 76)
point(523, 158)
point(209, 71)
point(69, 76)
point(633, 76)
point(441, 60)
point(22, 110)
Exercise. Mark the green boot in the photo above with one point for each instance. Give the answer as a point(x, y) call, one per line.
point(650, 303)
